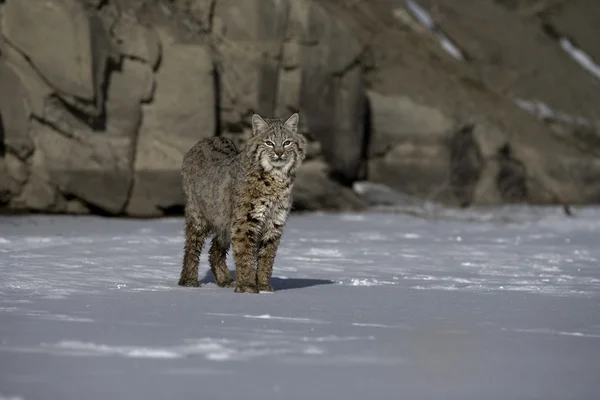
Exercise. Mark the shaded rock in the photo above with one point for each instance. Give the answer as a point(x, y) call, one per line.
point(96, 168)
point(201, 11)
point(524, 63)
point(411, 149)
point(407, 63)
point(314, 190)
point(102, 52)
point(189, 20)
point(16, 169)
point(578, 21)
point(577, 179)
point(181, 113)
point(38, 193)
point(277, 56)
point(376, 194)
point(75, 206)
point(94, 3)
point(331, 93)
point(69, 47)
point(248, 39)
point(13, 173)
point(465, 166)
point(511, 179)
point(38, 91)
point(6, 192)
point(398, 119)
point(15, 112)
point(127, 88)
point(419, 168)
point(137, 41)
point(2, 146)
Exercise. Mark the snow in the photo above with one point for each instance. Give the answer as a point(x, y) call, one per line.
point(580, 57)
point(545, 113)
point(493, 303)
point(423, 16)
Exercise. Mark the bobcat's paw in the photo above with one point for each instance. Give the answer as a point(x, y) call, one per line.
point(246, 289)
point(189, 282)
point(265, 287)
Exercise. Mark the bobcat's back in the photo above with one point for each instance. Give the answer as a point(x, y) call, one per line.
point(209, 171)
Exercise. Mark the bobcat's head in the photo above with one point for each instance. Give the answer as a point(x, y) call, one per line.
point(279, 146)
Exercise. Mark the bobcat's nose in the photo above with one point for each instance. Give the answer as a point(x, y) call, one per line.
point(279, 152)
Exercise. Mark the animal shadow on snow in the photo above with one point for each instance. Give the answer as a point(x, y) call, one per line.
point(277, 283)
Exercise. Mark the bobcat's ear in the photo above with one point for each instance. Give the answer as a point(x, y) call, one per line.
point(292, 123)
point(258, 125)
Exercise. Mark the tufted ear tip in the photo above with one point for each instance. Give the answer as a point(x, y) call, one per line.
point(292, 122)
point(258, 124)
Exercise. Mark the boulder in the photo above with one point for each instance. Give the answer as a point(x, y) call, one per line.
point(6, 192)
point(2, 145)
point(37, 89)
point(379, 195)
point(15, 112)
point(128, 87)
point(13, 175)
point(466, 163)
point(181, 113)
point(38, 193)
point(315, 190)
point(409, 149)
point(96, 168)
point(418, 168)
point(16, 169)
point(398, 118)
point(96, 165)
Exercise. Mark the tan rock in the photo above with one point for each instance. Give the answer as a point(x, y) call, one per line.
point(181, 113)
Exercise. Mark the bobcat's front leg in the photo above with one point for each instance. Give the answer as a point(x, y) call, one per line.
point(245, 236)
point(266, 256)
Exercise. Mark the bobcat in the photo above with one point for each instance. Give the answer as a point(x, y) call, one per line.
point(242, 198)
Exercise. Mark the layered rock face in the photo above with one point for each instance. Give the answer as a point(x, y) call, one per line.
point(100, 100)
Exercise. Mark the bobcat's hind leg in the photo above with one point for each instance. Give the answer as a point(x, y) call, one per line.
point(196, 230)
point(217, 259)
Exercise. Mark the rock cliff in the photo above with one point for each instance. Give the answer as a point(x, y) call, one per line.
point(459, 102)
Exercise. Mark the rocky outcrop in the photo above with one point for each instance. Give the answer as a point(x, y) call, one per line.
point(105, 121)
point(181, 113)
point(464, 91)
point(299, 56)
point(517, 65)
point(100, 100)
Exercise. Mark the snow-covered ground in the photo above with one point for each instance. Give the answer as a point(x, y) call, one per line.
point(497, 305)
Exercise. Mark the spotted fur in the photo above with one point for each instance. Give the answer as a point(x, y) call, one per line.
point(243, 199)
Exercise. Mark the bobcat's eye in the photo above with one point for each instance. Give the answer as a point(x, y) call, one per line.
point(269, 143)
point(287, 143)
